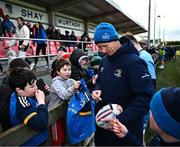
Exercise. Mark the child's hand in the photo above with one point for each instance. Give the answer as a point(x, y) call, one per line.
point(96, 95)
point(94, 78)
point(76, 85)
point(47, 87)
point(40, 97)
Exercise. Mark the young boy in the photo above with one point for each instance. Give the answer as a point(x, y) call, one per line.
point(62, 87)
point(27, 104)
point(164, 120)
point(6, 91)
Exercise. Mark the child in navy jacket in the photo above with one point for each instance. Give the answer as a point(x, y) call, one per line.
point(27, 104)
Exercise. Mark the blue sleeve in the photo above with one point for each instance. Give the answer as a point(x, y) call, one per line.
point(43, 33)
point(13, 25)
point(142, 90)
point(35, 118)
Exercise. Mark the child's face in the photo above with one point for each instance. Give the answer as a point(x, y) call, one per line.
point(65, 72)
point(153, 125)
point(29, 90)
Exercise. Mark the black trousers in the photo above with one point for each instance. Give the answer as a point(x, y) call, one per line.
point(40, 47)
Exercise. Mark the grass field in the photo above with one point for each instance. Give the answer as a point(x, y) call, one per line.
point(169, 76)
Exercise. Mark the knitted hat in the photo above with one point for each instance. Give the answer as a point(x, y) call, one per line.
point(95, 60)
point(105, 32)
point(165, 108)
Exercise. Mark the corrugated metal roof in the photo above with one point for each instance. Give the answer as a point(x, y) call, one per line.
point(95, 11)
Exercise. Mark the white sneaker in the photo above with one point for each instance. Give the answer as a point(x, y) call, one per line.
point(161, 66)
point(32, 65)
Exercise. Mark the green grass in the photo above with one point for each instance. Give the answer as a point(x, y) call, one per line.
point(169, 76)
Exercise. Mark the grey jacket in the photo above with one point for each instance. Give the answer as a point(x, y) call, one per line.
point(60, 90)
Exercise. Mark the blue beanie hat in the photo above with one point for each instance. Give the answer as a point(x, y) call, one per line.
point(105, 32)
point(165, 108)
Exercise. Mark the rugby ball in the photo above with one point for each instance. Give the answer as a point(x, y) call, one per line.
point(109, 112)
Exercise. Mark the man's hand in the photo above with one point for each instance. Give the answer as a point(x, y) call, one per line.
point(118, 128)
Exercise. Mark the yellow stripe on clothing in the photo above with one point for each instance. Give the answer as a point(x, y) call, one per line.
point(28, 117)
point(85, 113)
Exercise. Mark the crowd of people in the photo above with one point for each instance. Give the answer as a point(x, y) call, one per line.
point(37, 31)
point(121, 73)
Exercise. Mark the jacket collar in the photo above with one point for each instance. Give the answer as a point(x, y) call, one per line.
point(125, 49)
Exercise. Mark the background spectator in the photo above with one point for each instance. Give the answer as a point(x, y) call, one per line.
point(59, 35)
point(21, 32)
point(48, 31)
point(84, 37)
point(67, 38)
point(52, 33)
point(73, 38)
point(8, 26)
point(41, 44)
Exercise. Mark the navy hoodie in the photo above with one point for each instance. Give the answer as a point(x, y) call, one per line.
point(124, 79)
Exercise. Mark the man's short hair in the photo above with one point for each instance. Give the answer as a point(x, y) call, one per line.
point(22, 19)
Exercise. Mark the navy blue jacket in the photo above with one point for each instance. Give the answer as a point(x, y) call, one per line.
point(25, 110)
point(131, 140)
point(35, 117)
point(124, 79)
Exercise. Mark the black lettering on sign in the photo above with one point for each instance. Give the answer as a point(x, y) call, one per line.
point(23, 13)
point(40, 16)
point(60, 21)
point(68, 23)
point(36, 16)
point(31, 14)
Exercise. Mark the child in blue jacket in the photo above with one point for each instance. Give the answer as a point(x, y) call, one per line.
point(27, 104)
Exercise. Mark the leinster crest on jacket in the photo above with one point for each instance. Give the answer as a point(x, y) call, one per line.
point(118, 73)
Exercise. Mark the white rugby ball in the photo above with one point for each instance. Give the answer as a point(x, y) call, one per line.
point(107, 113)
